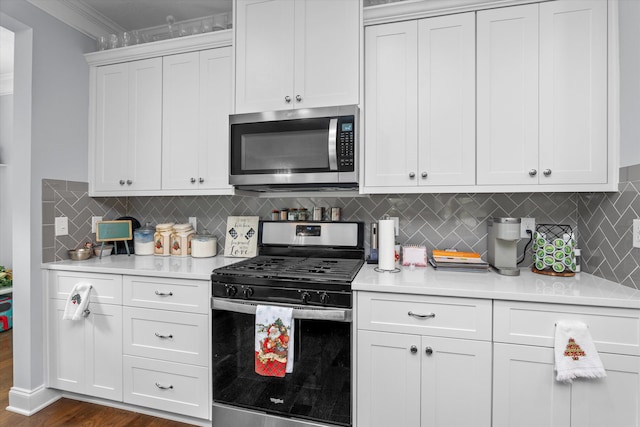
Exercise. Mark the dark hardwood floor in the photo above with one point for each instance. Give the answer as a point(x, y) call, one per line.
point(65, 412)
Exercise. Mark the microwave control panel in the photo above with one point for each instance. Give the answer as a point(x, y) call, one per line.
point(346, 144)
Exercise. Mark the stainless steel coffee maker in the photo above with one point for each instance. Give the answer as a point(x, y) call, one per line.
point(502, 245)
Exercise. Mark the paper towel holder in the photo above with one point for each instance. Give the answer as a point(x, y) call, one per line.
point(382, 270)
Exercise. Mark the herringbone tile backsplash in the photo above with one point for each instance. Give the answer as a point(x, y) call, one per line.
point(435, 220)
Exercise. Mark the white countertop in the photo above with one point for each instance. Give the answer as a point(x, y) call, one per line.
point(151, 265)
point(581, 289)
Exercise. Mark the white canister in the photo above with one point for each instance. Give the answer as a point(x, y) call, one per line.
point(143, 242)
point(204, 246)
point(181, 239)
point(162, 239)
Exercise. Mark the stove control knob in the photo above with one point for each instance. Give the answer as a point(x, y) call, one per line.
point(324, 298)
point(230, 290)
point(306, 297)
point(247, 292)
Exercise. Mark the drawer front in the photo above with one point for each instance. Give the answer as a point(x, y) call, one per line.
point(166, 335)
point(168, 386)
point(614, 330)
point(106, 288)
point(167, 294)
point(444, 316)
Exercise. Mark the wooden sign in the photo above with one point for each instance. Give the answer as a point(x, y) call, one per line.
point(241, 238)
point(113, 231)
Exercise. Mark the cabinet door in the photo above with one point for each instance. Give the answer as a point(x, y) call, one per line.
point(85, 356)
point(388, 376)
point(66, 350)
point(112, 127)
point(446, 103)
point(573, 92)
point(610, 401)
point(327, 46)
point(456, 382)
point(391, 105)
point(128, 126)
point(145, 125)
point(103, 345)
point(525, 391)
point(264, 42)
point(180, 121)
point(216, 90)
point(507, 106)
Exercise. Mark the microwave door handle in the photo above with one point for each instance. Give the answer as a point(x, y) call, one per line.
point(332, 146)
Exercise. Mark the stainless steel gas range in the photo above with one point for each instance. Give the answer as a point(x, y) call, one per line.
point(308, 266)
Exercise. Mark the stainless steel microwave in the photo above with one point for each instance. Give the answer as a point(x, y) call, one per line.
point(303, 149)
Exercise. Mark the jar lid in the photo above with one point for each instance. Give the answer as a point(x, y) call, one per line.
point(165, 226)
point(148, 228)
point(205, 237)
point(183, 227)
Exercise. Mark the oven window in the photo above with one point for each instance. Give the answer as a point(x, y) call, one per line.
point(319, 389)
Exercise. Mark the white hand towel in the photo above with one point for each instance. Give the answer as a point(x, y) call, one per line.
point(274, 340)
point(77, 301)
point(576, 355)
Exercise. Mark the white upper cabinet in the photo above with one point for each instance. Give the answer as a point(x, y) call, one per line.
point(420, 104)
point(391, 104)
point(128, 116)
point(508, 95)
point(573, 92)
point(298, 54)
point(542, 94)
point(196, 107)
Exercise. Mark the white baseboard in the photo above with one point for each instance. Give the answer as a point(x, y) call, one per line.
point(28, 402)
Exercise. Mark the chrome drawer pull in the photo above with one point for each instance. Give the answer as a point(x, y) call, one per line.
point(422, 316)
point(163, 387)
point(164, 336)
point(164, 294)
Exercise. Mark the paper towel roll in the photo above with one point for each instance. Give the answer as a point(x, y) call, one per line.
point(386, 245)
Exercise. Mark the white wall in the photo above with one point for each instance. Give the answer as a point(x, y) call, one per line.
point(51, 142)
point(6, 135)
point(629, 22)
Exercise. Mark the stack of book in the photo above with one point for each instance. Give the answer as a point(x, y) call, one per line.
point(457, 261)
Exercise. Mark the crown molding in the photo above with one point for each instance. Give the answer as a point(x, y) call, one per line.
point(79, 16)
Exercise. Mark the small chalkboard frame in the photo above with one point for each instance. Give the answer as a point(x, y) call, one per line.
point(114, 231)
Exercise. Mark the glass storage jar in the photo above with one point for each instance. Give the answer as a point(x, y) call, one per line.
point(204, 245)
point(143, 241)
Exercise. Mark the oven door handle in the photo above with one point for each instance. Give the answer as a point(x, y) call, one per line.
point(299, 311)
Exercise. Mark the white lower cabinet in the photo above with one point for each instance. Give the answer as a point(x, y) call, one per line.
point(525, 391)
point(85, 356)
point(145, 341)
point(409, 379)
point(166, 345)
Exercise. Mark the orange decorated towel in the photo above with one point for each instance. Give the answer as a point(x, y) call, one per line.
point(274, 340)
point(576, 355)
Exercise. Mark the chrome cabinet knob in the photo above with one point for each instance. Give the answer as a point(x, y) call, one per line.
point(193, 180)
point(298, 98)
point(412, 174)
point(413, 349)
point(547, 172)
point(122, 182)
point(429, 351)
point(287, 99)
point(129, 182)
point(533, 172)
point(424, 174)
point(201, 180)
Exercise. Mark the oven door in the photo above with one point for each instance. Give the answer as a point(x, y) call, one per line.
point(317, 391)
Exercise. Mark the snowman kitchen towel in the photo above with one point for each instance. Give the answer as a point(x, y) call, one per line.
point(274, 340)
point(77, 302)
